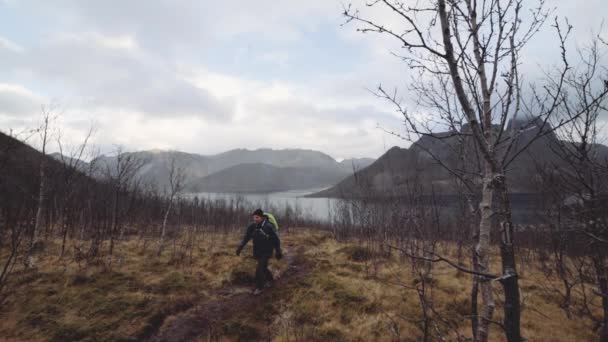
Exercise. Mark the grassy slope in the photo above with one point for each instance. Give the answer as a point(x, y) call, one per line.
point(343, 297)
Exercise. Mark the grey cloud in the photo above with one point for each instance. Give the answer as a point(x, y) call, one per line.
point(17, 104)
point(118, 77)
point(165, 25)
point(300, 109)
point(176, 98)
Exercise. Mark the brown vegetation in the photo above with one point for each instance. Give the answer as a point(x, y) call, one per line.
point(350, 293)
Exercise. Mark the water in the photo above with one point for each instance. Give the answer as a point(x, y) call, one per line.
point(314, 208)
point(320, 209)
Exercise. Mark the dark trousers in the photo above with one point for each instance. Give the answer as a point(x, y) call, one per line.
point(262, 273)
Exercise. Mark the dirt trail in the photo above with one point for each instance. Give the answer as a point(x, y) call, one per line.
point(204, 321)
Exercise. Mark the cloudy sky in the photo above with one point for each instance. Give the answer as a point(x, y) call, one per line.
point(209, 76)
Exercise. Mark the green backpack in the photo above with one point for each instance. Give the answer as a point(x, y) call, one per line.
point(272, 220)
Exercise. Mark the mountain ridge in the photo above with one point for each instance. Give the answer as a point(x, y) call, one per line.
point(265, 178)
point(399, 168)
point(196, 167)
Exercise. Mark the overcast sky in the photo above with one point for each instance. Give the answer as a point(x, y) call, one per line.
point(209, 76)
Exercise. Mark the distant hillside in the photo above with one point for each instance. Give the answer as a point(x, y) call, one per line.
point(19, 167)
point(20, 172)
point(306, 168)
point(390, 172)
point(398, 167)
point(263, 178)
point(356, 164)
point(81, 165)
point(300, 169)
point(278, 158)
point(157, 165)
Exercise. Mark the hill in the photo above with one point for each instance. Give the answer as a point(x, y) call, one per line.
point(399, 167)
point(289, 167)
point(391, 172)
point(278, 158)
point(258, 177)
point(356, 164)
point(20, 170)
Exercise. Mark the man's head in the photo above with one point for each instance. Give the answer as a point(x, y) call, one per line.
point(258, 216)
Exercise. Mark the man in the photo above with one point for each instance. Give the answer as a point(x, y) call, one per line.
point(265, 240)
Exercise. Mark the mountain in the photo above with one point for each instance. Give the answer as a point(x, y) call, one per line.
point(157, 164)
point(258, 177)
point(20, 173)
point(398, 168)
point(390, 172)
point(296, 164)
point(81, 165)
point(356, 164)
point(278, 158)
point(19, 168)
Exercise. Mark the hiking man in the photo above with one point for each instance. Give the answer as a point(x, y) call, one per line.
point(265, 240)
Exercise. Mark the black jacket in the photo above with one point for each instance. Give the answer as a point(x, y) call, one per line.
point(265, 239)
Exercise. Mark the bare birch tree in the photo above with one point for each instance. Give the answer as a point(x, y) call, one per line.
point(177, 178)
point(576, 188)
point(43, 131)
point(467, 55)
point(121, 175)
point(72, 171)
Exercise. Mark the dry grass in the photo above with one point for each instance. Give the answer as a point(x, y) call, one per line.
point(353, 295)
point(66, 301)
point(350, 294)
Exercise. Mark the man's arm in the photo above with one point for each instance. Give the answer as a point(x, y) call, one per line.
point(246, 239)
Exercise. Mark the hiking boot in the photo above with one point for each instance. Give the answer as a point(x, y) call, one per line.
point(257, 292)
